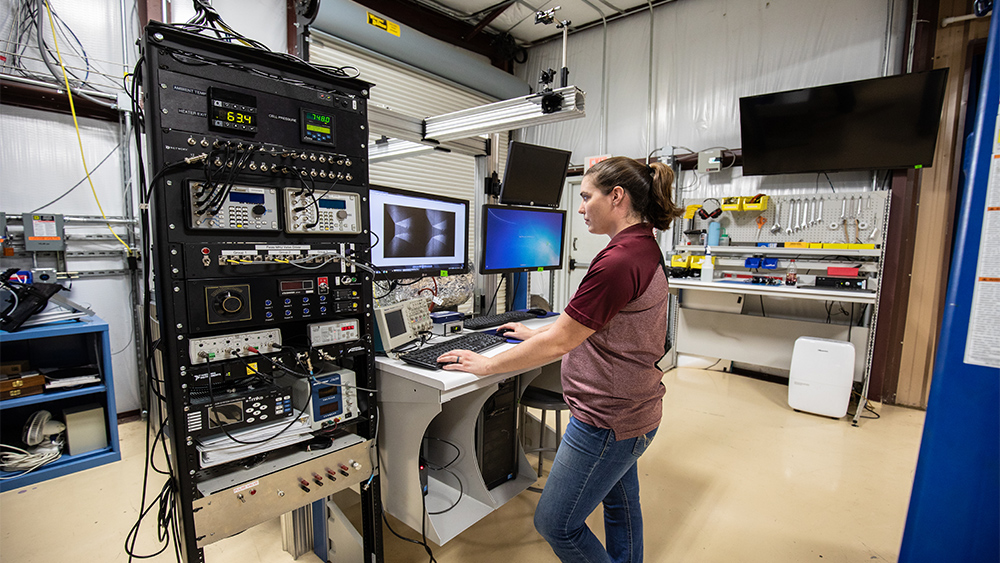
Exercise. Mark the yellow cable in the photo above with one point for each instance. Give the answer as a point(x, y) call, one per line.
point(79, 139)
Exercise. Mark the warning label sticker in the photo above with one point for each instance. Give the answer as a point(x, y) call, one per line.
point(383, 24)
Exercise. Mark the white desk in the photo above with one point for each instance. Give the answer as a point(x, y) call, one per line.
point(444, 404)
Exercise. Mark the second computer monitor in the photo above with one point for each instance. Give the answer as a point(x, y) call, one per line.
point(521, 239)
point(418, 234)
point(534, 175)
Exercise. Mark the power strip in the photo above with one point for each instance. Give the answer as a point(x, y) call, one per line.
point(229, 346)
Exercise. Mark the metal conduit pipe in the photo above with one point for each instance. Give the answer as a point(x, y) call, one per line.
point(349, 21)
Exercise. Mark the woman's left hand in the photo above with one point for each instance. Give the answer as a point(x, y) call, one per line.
point(464, 360)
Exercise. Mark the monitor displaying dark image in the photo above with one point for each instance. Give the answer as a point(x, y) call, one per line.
point(880, 123)
point(416, 234)
point(521, 239)
point(534, 175)
point(413, 232)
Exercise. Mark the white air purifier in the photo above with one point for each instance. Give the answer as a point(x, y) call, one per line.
point(821, 376)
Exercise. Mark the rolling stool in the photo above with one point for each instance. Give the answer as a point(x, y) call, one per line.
point(544, 400)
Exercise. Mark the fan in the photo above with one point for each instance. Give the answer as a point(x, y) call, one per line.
point(43, 437)
point(39, 428)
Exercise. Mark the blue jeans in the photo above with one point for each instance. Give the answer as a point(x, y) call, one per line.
point(591, 467)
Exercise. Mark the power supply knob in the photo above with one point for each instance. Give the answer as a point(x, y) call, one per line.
point(342, 215)
point(259, 210)
point(228, 303)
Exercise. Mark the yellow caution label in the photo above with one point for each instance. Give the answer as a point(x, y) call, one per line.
point(383, 24)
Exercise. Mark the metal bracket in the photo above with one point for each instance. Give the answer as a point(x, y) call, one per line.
point(458, 131)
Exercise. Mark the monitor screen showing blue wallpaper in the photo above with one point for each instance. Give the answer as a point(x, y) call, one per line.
point(517, 239)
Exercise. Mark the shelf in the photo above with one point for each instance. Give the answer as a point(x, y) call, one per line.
point(99, 389)
point(780, 251)
point(63, 466)
point(62, 328)
point(815, 294)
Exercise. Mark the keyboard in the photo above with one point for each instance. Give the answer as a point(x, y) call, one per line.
point(427, 356)
point(489, 321)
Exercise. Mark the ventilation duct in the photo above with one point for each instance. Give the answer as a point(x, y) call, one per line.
point(349, 21)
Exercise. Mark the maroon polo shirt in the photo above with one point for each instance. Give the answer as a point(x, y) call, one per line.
point(611, 380)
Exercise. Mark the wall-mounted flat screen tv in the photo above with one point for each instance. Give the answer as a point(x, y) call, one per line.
point(880, 123)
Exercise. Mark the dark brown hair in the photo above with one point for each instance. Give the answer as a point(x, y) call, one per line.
point(649, 187)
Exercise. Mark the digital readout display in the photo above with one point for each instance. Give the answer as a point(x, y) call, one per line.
point(318, 118)
point(327, 391)
point(317, 128)
point(296, 286)
point(330, 408)
point(333, 204)
point(241, 197)
point(234, 116)
point(232, 111)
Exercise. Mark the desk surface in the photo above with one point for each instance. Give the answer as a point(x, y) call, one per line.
point(444, 380)
point(814, 293)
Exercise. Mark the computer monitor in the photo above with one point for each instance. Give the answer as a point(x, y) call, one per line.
point(415, 234)
point(879, 123)
point(521, 239)
point(534, 175)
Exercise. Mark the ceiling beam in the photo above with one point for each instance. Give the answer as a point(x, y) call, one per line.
point(489, 19)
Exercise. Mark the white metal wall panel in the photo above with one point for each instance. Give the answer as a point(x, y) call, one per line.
point(706, 55)
point(40, 160)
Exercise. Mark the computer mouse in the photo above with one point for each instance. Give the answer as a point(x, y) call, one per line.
point(538, 312)
point(504, 330)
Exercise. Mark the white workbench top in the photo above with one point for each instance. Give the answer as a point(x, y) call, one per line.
point(448, 381)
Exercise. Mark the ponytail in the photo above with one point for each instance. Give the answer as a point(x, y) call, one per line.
point(649, 187)
point(660, 209)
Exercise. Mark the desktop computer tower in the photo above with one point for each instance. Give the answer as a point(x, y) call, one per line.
point(496, 435)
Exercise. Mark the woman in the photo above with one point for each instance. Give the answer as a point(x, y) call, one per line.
point(610, 336)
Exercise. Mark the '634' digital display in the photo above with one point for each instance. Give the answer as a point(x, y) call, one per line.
point(232, 111)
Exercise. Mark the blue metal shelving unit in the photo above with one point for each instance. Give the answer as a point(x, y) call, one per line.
point(103, 394)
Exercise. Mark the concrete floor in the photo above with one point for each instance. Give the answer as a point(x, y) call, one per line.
point(734, 475)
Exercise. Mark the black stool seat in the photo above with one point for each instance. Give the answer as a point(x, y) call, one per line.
point(544, 400)
point(538, 398)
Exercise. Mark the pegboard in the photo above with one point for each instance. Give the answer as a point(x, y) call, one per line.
point(810, 218)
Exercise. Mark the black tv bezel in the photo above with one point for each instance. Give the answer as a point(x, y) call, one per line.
point(506, 174)
point(395, 272)
point(483, 223)
point(936, 84)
